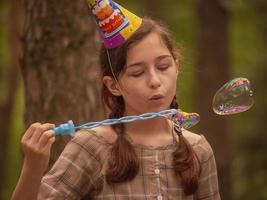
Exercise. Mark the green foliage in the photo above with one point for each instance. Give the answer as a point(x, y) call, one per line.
point(14, 153)
point(13, 161)
point(3, 44)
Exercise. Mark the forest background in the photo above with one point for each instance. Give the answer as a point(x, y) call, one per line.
point(49, 71)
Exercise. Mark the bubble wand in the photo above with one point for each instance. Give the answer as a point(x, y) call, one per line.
point(181, 119)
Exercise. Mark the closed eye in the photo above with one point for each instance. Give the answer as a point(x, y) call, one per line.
point(163, 67)
point(137, 74)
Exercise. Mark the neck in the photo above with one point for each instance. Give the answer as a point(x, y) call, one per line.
point(150, 127)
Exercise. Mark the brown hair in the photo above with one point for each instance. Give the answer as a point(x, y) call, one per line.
point(123, 164)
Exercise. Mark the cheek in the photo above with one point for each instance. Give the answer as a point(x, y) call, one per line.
point(172, 79)
point(132, 89)
point(172, 86)
point(136, 90)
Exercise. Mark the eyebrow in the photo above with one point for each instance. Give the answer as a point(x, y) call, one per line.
point(142, 63)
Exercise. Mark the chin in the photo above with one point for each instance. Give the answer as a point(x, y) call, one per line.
point(159, 108)
point(149, 108)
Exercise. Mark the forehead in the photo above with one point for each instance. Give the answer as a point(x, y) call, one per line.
point(149, 48)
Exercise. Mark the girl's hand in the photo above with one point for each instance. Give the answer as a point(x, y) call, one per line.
point(36, 145)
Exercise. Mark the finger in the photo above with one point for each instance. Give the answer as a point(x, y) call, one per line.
point(49, 143)
point(39, 131)
point(29, 132)
point(45, 137)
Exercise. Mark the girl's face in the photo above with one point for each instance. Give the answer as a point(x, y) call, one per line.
point(148, 83)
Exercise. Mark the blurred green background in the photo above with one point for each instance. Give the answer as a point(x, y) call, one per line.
point(248, 58)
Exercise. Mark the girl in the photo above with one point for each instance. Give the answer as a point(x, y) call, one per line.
point(139, 160)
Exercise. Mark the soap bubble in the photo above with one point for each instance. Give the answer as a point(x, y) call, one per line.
point(233, 97)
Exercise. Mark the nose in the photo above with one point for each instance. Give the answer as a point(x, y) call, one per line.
point(154, 79)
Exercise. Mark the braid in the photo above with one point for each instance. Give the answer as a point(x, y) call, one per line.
point(174, 103)
point(185, 160)
point(123, 164)
point(186, 164)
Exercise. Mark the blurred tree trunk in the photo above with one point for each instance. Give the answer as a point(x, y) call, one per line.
point(11, 83)
point(213, 65)
point(60, 65)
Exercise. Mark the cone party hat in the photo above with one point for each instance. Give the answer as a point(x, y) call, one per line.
point(115, 23)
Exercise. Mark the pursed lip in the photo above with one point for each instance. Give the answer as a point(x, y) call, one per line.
point(156, 97)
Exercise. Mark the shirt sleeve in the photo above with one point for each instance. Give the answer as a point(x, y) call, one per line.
point(208, 181)
point(75, 173)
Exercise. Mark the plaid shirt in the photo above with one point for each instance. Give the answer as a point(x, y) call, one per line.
point(79, 172)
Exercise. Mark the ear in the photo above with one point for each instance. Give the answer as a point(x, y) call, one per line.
point(112, 85)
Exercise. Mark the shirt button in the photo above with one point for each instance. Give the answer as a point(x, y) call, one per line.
point(157, 171)
point(159, 197)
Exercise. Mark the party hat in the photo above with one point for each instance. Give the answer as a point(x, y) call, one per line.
point(115, 23)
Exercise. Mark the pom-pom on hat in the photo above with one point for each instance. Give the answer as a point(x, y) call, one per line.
point(115, 23)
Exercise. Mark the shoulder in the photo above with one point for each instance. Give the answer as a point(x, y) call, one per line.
point(200, 145)
point(90, 143)
point(100, 135)
point(191, 137)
